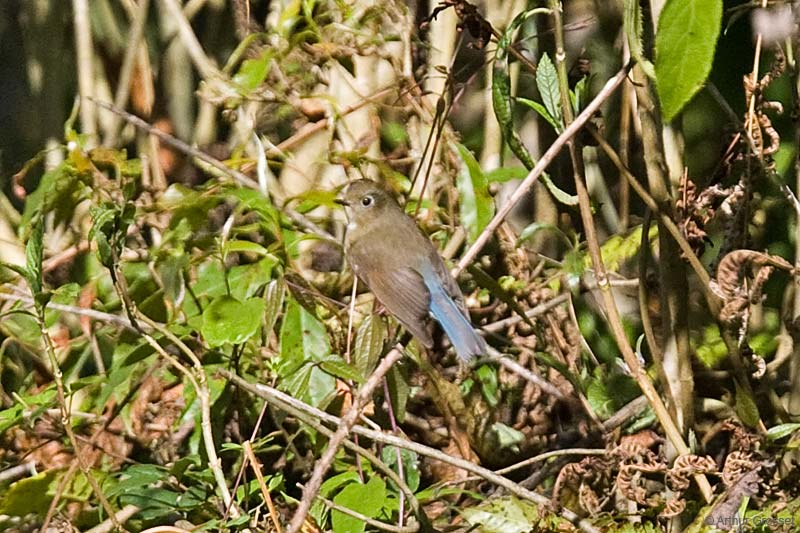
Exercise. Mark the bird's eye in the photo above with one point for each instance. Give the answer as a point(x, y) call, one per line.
point(366, 201)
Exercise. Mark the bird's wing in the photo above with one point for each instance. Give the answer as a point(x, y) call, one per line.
point(403, 292)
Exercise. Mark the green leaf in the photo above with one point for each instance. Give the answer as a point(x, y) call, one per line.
point(253, 72)
point(503, 515)
point(365, 499)
point(303, 337)
point(476, 205)
point(685, 42)
point(318, 509)
point(33, 255)
point(228, 321)
point(411, 473)
point(340, 369)
point(501, 103)
point(487, 376)
point(632, 24)
point(547, 83)
point(782, 430)
point(541, 110)
point(30, 495)
point(504, 174)
point(304, 340)
point(508, 438)
point(368, 345)
point(273, 301)
point(247, 247)
point(399, 391)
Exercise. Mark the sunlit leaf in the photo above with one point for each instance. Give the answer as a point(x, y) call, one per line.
point(685, 42)
point(365, 499)
point(229, 321)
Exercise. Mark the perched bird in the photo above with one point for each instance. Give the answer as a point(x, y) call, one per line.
point(403, 270)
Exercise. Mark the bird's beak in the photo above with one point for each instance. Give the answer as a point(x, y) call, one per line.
point(341, 201)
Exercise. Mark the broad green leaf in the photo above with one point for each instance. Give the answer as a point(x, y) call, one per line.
point(31, 495)
point(303, 337)
point(685, 42)
point(476, 205)
point(368, 345)
point(229, 321)
point(365, 499)
point(304, 341)
point(487, 376)
point(318, 509)
point(547, 83)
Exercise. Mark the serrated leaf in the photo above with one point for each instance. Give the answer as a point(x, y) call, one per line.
point(304, 341)
point(547, 83)
point(685, 42)
point(476, 205)
point(365, 499)
point(228, 321)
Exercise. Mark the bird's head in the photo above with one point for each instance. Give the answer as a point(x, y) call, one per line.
point(365, 201)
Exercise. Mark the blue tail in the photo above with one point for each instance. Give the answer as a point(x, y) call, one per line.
point(463, 337)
